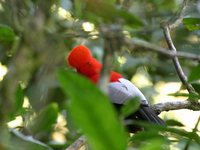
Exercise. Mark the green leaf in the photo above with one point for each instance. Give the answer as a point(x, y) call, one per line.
point(6, 33)
point(19, 98)
point(146, 135)
point(194, 74)
point(78, 4)
point(178, 131)
point(153, 138)
point(172, 122)
point(192, 23)
point(190, 96)
point(154, 144)
point(18, 141)
point(45, 119)
point(196, 86)
point(92, 112)
point(130, 107)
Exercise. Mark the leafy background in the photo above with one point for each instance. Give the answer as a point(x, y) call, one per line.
point(44, 105)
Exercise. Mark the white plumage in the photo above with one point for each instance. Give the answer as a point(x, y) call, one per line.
point(122, 91)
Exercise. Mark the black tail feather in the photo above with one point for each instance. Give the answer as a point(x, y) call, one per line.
point(145, 113)
point(148, 114)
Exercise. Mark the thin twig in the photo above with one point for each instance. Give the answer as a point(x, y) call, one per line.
point(176, 105)
point(177, 65)
point(77, 144)
point(166, 29)
point(112, 35)
point(180, 15)
point(152, 47)
point(148, 46)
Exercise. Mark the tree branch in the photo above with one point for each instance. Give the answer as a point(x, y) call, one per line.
point(166, 29)
point(77, 144)
point(112, 35)
point(177, 65)
point(180, 15)
point(176, 105)
point(152, 47)
point(148, 46)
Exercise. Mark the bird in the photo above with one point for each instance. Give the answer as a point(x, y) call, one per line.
point(120, 90)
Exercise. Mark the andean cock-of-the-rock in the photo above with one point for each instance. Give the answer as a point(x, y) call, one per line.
point(120, 90)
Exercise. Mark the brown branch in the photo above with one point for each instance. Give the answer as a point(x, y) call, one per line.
point(166, 26)
point(77, 144)
point(112, 35)
point(176, 105)
point(177, 65)
point(148, 46)
point(152, 47)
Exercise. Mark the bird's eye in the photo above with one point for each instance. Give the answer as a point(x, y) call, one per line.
point(89, 63)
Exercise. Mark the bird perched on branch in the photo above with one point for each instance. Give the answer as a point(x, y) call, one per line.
point(120, 90)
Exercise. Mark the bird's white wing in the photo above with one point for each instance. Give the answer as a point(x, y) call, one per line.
point(120, 92)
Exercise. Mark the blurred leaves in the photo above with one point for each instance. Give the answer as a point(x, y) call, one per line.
point(192, 23)
point(6, 33)
point(172, 122)
point(36, 36)
point(130, 107)
point(107, 12)
point(171, 130)
point(22, 142)
point(194, 74)
point(44, 120)
point(92, 112)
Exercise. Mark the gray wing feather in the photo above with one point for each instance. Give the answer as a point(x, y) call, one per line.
point(120, 92)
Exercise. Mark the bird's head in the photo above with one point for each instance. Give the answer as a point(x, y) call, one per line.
point(81, 59)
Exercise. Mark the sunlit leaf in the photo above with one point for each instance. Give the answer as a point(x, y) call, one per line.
point(173, 123)
point(153, 144)
point(92, 112)
point(145, 135)
point(192, 23)
point(149, 137)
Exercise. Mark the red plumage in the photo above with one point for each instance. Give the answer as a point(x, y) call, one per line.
point(81, 58)
point(80, 55)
